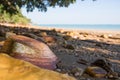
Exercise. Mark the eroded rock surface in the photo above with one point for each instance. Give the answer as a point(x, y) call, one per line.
point(15, 69)
point(30, 50)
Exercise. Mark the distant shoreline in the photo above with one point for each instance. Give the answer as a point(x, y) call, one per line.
point(84, 26)
point(64, 29)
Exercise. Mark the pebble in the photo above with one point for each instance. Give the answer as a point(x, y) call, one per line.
point(43, 34)
point(67, 37)
point(2, 38)
point(76, 55)
point(112, 75)
point(69, 46)
point(82, 61)
point(77, 72)
point(95, 71)
point(104, 36)
point(49, 39)
point(98, 45)
point(59, 70)
point(8, 34)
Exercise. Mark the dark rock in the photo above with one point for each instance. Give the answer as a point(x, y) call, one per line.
point(72, 70)
point(69, 46)
point(103, 63)
point(33, 36)
point(112, 75)
point(60, 34)
point(107, 66)
point(82, 61)
point(2, 38)
point(30, 35)
point(67, 37)
point(96, 72)
point(98, 45)
point(63, 67)
point(2, 32)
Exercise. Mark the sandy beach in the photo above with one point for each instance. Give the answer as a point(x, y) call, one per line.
point(76, 49)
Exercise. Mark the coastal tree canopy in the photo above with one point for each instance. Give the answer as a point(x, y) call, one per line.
point(9, 8)
point(12, 6)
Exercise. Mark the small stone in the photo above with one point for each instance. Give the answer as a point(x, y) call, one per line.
point(96, 72)
point(67, 37)
point(59, 34)
point(63, 67)
point(82, 61)
point(77, 72)
point(112, 75)
point(69, 46)
point(104, 36)
point(2, 43)
point(73, 34)
point(8, 34)
point(110, 35)
point(98, 45)
point(43, 34)
point(2, 38)
point(49, 39)
point(76, 55)
point(61, 31)
point(2, 32)
point(58, 70)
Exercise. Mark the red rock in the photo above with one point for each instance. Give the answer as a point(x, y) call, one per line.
point(30, 50)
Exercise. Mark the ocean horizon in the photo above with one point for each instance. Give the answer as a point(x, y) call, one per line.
point(111, 27)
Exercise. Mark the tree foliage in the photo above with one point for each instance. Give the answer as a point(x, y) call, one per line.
point(6, 17)
point(11, 5)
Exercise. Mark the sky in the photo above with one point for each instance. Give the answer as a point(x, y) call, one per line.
point(82, 12)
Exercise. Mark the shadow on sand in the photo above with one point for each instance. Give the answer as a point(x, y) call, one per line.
point(87, 49)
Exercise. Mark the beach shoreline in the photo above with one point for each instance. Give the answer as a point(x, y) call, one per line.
point(114, 32)
point(74, 48)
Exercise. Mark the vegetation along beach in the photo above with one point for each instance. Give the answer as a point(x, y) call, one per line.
point(63, 48)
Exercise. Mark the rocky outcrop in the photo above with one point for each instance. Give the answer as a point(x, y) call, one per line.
point(30, 50)
point(15, 69)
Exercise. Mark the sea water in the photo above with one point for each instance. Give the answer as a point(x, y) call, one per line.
point(83, 27)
